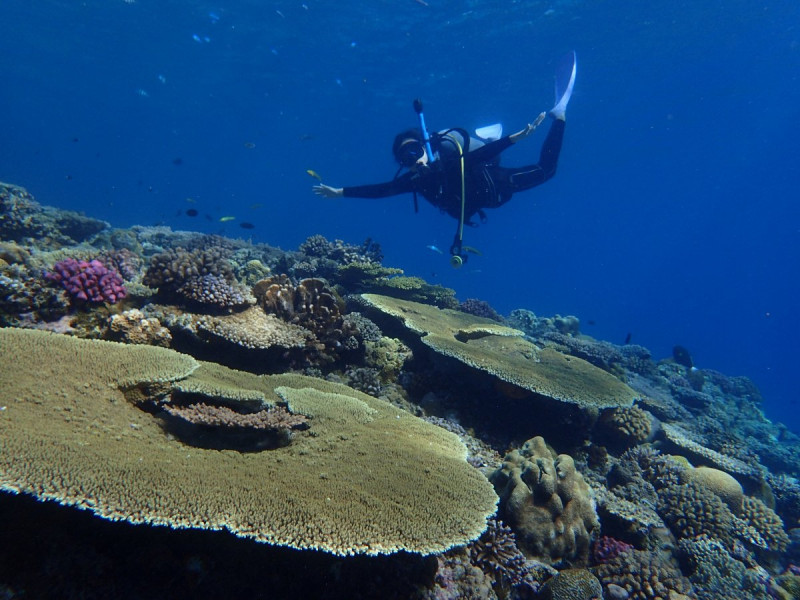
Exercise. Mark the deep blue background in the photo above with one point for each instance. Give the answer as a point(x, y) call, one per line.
point(674, 215)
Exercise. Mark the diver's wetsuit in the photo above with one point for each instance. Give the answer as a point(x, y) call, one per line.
point(487, 184)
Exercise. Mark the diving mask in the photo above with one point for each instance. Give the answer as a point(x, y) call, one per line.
point(410, 152)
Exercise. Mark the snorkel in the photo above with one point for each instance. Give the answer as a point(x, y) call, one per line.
point(425, 136)
point(458, 253)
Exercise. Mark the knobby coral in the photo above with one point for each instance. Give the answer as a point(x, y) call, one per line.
point(547, 503)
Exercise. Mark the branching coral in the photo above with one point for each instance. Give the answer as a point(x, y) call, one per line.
point(199, 277)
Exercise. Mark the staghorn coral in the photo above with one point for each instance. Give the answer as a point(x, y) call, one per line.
point(133, 327)
point(546, 502)
point(643, 575)
point(364, 380)
point(537, 327)
point(502, 352)
point(71, 434)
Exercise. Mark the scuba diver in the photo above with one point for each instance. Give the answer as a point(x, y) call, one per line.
point(461, 175)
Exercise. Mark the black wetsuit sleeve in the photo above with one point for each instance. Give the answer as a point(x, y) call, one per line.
point(488, 152)
point(401, 185)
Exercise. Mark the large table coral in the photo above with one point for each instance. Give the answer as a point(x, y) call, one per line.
point(368, 478)
point(503, 352)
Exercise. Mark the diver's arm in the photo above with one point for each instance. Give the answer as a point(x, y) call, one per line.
point(489, 151)
point(401, 185)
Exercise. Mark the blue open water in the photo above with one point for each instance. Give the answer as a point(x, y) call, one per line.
point(674, 215)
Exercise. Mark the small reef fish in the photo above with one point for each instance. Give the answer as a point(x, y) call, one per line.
point(192, 212)
point(226, 219)
point(433, 248)
point(314, 174)
point(246, 225)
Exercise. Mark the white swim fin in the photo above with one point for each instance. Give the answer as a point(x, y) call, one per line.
point(566, 71)
point(490, 133)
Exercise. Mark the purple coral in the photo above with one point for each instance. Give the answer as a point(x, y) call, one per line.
point(606, 548)
point(88, 281)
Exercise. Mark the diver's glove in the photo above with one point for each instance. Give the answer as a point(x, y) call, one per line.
point(328, 191)
point(531, 127)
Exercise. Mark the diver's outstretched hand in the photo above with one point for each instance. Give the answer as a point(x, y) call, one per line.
point(531, 127)
point(328, 191)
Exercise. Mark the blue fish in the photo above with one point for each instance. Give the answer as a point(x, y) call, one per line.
point(433, 248)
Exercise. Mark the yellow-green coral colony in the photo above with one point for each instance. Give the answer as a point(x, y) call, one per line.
point(371, 479)
point(503, 353)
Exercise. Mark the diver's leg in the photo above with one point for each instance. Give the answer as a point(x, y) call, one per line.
point(523, 178)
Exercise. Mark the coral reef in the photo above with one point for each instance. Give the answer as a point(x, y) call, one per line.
point(373, 278)
point(573, 584)
point(201, 277)
point(88, 281)
point(133, 327)
point(716, 575)
point(693, 476)
point(502, 352)
point(547, 503)
point(315, 307)
point(606, 548)
point(643, 575)
point(480, 308)
point(71, 434)
point(22, 219)
point(624, 426)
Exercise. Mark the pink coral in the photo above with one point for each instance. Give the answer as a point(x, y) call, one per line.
point(606, 548)
point(88, 281)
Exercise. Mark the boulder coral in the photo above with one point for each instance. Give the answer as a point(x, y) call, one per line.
point(547, 503)
point(370, 479)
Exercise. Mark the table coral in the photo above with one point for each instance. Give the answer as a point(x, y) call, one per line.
point(372, 479)
point(501, 352)
point(546, 502)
